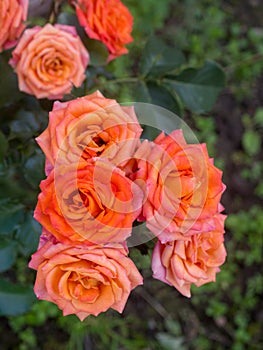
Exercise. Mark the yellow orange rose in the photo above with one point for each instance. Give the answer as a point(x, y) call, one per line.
point(49, 61)
point(90, 126)
point(183, 187)
point(88, 202)
point(195, 259)
point(84, 280)
point(12, 15)
point(108, 21)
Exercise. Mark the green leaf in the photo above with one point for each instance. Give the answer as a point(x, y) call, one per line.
point(97, 51)
point(10, 186)
point(68, 19)
point(161, 96)
point(8, 252)
point(8, 83)
point(3, 146)
point(142, 93)
point(199, 88)
point(27, 123)
point(15, 299)
point(251, 142)
point(158, 58)
point(34, 169)
point(28, 235)
point(10, 215)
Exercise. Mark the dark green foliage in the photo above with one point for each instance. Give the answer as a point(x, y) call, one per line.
point(172, 68)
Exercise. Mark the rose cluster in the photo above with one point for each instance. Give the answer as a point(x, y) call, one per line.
point(101, 180)
point(51, 60)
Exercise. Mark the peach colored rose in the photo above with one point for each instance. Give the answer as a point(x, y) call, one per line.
point(12, 15)
point(88, 202)
point(194, 259)
point(182, 186)
point(49, 61)
point(84, 280)
point(89, 126)
point(108, 21)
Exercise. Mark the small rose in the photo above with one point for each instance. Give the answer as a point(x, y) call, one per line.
point(13, 13)
point(108, 21)
point(49, 61)
point(192, 260)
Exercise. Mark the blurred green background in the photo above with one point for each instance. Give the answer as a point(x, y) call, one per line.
point(227, 314)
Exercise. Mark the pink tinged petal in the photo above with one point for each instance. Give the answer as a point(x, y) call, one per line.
point(62, 285)
point(82, 315)
point(159, 271)
point(100, 260)
point(195, 271)
point(179, 249)
point(120, 296)
point(182, 286)
point(40, 286)
point(63, 259)
point(218, 257)
point(167, 253)
point(211, 277)
point(66, 306)
point(180, 271)
point(128, 268)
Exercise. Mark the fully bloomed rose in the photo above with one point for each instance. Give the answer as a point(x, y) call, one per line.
point(13, 13)
point(49, 61)
point(183, 187)
point(84, 280)
point(88, 202)
point(90, 126)
point(108, 21)
point(192, 260)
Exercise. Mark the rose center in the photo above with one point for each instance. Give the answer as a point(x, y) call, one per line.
point(54, 66)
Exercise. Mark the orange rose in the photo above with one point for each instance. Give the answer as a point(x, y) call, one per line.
point(89, 126)
point(195, 259)
point(84, 280)
point(183, 187)
point(49, 61)
point(12, 15)
point(88, 202)
point(108, 21)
